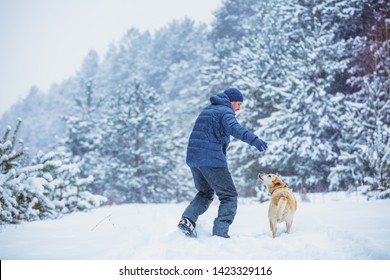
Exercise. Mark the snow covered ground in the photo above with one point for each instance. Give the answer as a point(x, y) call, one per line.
point(333, 226)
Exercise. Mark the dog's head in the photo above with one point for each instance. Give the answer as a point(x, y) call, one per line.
point(271, 181)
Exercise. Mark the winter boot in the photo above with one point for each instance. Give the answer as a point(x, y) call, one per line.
point(225, 235)
point(187, 227)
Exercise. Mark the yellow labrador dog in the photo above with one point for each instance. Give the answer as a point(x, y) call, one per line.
point(283, 203)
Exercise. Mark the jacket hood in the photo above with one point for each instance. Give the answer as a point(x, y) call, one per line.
point(220, 99)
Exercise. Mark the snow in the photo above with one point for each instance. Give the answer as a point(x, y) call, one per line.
point(332, 226)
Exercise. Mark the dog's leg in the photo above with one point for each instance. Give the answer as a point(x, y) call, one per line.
point(272, 225)
point(289, 222)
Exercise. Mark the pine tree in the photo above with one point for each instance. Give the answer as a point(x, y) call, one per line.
point(232, 23)
point(132, 58)
point(59, 177)
point(30, 191)
point(308, 120)
point(10, 159)
point(232, 20)
point(289, 65)
point(22, 197)
point(260, 71)
point(365, 160)
point(179, 52)
point(134, 150)
point(83, 125)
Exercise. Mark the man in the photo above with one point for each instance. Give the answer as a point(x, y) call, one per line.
point(206, 156)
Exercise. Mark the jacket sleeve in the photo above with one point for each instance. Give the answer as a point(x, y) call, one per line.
point(233, 128)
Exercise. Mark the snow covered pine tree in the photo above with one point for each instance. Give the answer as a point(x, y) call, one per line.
point(44, 189)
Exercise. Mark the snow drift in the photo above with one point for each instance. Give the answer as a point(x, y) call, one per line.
point(333, 226)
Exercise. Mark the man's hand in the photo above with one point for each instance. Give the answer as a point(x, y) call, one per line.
point(260, 145)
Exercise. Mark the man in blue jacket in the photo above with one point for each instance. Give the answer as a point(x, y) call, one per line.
point(206, 156)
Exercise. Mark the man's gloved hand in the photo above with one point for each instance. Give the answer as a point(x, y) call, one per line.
point(260, 145)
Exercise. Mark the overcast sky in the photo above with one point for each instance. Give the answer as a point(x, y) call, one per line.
point(45, 41)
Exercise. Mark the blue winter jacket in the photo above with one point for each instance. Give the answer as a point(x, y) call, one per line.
point(210, 136)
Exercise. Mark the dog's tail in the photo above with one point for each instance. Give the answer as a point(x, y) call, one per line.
point(282, 203)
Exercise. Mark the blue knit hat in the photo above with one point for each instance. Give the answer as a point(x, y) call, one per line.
point(234, 95)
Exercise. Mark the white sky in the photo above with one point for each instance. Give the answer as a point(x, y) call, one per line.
point(45, 41)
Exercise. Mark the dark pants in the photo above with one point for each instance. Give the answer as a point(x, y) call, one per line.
point(209, 181)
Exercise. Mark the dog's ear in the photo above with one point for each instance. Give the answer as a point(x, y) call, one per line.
point(278, 183)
